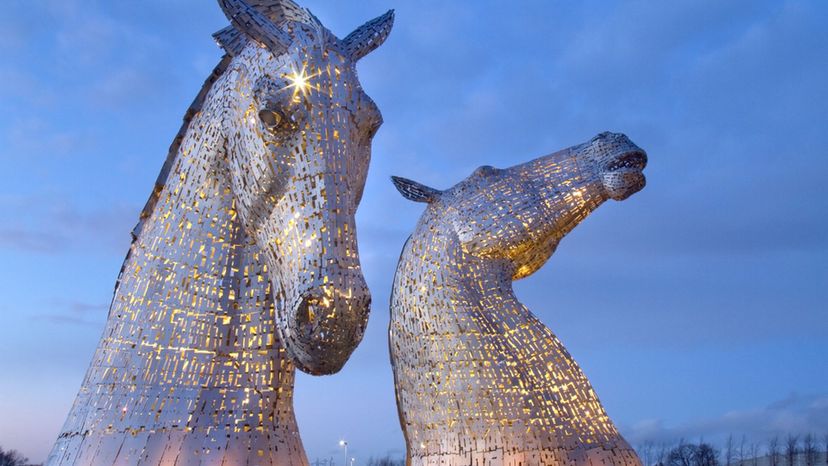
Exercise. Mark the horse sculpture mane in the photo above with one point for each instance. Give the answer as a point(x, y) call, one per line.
point(479, 380)
point(243, 265)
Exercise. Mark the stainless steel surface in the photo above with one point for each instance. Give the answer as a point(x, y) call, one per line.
point(244, 263)
point(479, 379)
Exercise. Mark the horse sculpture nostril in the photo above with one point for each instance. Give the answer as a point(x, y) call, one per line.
point(306, 315)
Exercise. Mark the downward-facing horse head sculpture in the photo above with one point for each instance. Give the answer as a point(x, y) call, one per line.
point(479, 379)
point(244, 262)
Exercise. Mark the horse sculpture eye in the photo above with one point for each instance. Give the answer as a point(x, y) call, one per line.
point(271, 119)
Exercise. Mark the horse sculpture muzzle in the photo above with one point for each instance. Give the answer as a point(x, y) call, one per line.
point(328, 323)
point(621, 164)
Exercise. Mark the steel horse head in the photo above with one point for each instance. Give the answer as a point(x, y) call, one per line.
point(464, 347)
point(244, 263)
point(298, 144)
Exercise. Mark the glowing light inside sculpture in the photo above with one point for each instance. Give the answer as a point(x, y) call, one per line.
point(244, 264)
point(479, 379)
point(300, 82)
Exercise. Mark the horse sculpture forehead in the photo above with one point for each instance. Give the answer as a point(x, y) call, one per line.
point(305, 51)
point(316, 70)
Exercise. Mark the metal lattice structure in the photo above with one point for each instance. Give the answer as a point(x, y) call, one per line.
point(479, 379)
point(244, 264)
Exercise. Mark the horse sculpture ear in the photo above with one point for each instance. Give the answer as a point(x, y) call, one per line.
point(253, 24)
point(414, 191)
point(369, 36)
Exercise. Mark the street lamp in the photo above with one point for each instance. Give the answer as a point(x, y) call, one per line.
point(344, 443)
point(352, 461)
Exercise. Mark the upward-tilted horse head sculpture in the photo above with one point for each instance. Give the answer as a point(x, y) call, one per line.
point(479, 379)
point(297, 132)
point(244, 263)
point(520, 213)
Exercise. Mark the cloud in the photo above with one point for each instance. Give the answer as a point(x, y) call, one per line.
point(75, 313)
point(51, 226)
point(35, 137)
point(25, 89)
point(27, 240)
point(797, 414)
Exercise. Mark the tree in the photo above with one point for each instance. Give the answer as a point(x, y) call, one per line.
point(686, 454)
point(791, 449)
point(810, 450)
point(825, 443)
point(729, 451)
point(645, 451)
point(682, 455)
point(12, 458)
point(661, 456)
point(706, 455)
point(386, 461)
point(754, 454)
point(773, 451)
point(742, 452)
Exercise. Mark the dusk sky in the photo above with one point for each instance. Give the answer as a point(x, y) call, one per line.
point(698, 307)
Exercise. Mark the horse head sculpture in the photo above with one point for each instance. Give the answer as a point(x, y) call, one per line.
point(297, 137)
point(520, 213)
point(244, 263)
point(478, 378)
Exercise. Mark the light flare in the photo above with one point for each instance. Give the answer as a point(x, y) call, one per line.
point(300, 82)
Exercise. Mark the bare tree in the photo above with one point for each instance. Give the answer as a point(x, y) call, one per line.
point(729, 451)
point(687, 454)
point(754, 454)
point(12, 458)
point(386, 461)
point(645, 450)
point(791, 449)
point(706, 455)
point(773, 451)
point(741, 451)
point(682, 455)
point(661, 459)
point(825, 444)
point(809, 450)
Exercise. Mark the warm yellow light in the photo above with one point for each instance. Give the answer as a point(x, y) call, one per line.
point(300, 82)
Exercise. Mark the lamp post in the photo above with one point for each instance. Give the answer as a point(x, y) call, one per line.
point(344, 443)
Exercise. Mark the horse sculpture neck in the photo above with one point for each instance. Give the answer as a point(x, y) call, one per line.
point(189, 361)
point(479, 379)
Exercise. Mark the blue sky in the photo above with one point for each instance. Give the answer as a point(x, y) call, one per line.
point(697, 307)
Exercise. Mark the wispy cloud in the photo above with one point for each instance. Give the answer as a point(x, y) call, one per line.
point(796, 414)
point(35, 137)
point(42, 225)
point(28, 240)
point(74, 313)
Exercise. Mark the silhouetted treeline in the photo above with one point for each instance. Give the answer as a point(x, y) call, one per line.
point(12, 458)
point(382, 461)
point(385, 461)
point(790, 450)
